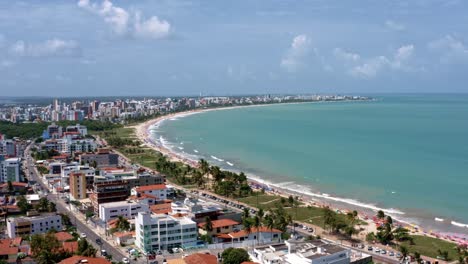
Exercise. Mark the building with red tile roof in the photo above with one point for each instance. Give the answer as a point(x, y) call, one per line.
point(200, 258)
point(264, 234)
point(221, 226)
point(82, 259)
point(63, 236)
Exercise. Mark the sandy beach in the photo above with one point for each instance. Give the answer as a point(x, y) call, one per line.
point(366, 213)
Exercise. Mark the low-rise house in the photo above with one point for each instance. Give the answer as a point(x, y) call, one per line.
point(158, 190)
point(18, 187)
point(84, 260)
point(222, 226)
point(125, 238)
point(261, 234)
point(9, 249)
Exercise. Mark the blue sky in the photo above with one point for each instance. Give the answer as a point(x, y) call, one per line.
point(172, 47)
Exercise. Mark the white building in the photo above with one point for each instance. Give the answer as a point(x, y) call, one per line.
point(10, 170)
point(33, 225)
point(303, 252)
point(160, 231)
point(157, 190)
point(128, 209)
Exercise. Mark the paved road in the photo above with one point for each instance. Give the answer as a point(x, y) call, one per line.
point(61, 208)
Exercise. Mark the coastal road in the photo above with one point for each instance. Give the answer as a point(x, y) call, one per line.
point(81, 227)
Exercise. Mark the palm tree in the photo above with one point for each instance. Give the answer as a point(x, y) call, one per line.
point(52, 207)
point(245, 213)
point(10, 187)
point(122, 224)
point(208, 224)
point(247, 226)
point(257, 223)
point(204, 166)
point(43, 204)
point(380, 214)
point(269, 223)
point(404, 251)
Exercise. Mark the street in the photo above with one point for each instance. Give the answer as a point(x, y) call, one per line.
point(81, 227)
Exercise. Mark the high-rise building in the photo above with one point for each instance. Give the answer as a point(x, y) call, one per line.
point(78, 185)
point(162, 232)
point(108, 191)
point(10, 170)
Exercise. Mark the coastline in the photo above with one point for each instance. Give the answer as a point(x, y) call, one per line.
point(309, 197)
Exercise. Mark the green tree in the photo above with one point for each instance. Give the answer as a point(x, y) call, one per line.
point(42, 205)
point(235, 256)
point(46, 249)
point(417, 256)
point(23, 204)
point(10, 187)
point(86, 249)
point(52, 207)
point(66, 220)
point(208, 224)
point(257, 224)
point(122, 224)
point(380, 214)
point(404, 251)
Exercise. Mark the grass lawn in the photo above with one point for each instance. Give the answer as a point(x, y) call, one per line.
point(265, 201)
point(428, 246)
point(125, 132)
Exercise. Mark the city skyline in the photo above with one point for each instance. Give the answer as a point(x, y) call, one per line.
point(176, 48)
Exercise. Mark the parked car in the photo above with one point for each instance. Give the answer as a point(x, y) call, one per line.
point(83, 235)
point(125, 260)
point(103, 252)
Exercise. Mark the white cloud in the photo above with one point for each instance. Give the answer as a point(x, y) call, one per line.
point(394, 25)
point(53, 47)
point(299, 49)
point(450, 49)
point(402, 55)
point(373, 66)
point(123, 22)
point(151, 28)
point(346, 56)
point(370, 68)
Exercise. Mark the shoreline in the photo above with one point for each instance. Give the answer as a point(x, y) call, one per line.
point(309, 196)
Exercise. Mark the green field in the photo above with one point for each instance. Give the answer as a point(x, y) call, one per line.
point(429, 246)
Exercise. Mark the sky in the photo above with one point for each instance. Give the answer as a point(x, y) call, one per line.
point(188, 47)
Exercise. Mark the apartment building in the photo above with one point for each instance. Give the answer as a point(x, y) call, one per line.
point(10, 170)
point(128, 209)
point(78, 185)
point(108, 191)
point(21, 226)
point(161, 232)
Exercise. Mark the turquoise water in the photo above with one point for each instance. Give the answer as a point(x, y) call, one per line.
point(404, 152)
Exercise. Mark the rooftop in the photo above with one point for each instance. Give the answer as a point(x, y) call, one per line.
point(151, 187)
point(82, 259)
point(220, 223)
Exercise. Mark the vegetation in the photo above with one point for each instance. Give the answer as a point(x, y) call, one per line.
point(235, 256)
point(34, 130)
point(45, 205)
point(86, 249)
point(23, 204)
point(45, 249)
point(432, 247)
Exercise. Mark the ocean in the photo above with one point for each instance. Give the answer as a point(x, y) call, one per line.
point(405, 154)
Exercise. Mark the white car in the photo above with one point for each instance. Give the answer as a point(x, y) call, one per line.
point(125, 260)
point(83, 235)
